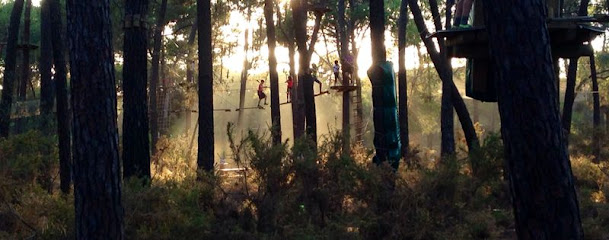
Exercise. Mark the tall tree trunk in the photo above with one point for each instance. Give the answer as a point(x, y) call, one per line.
point(305, 80)
point(298, 118)
point(596, 116)
point(63, 105)
point(45, 64)
point(543, 192)
point(443, 69)
point(567, 111)
point(136, 145)
point(10, 66)
point(344, 51)
point(274, 77)
point(447, 114)
point(97, 183)
point(359, 108)
point(377, 31)
point(25, 39)
point(583, 8)
point(205, 156)
point(246, 67)
point(154, 74)
point(402, 81)
point(190, 67)
point(190, 74)
point(447, 124)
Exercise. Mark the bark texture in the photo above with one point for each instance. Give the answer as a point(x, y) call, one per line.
point(205, 156)
point(543, 193)
point(136, 145)
point(97, 183)
point(10, 75)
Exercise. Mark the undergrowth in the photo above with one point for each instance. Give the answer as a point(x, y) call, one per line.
point(290, 192)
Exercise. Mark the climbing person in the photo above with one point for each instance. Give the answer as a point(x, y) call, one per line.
point(462, 13)
point(314, 70)
point(336, 70)
point(261, 94)
point(290, 83)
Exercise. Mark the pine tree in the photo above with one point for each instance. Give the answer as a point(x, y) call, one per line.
point(541, 181)
point(97, 183)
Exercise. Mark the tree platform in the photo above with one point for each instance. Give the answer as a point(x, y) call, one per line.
point(569, 38)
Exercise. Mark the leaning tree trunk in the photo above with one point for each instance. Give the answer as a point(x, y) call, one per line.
point(543, 191)
point(205, 156)
point(273, 76)
point(61, 90)
point(10, 61)
point(445, 74)
point(136, 145)
point(25, 39)
point(97, 183)
point(44, 65)
point(154, 74)
point(402, 81)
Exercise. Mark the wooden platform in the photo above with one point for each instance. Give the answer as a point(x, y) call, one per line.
point(347, 88)
point(568, 39)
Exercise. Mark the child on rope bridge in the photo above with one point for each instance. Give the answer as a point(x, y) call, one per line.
point(261, 94)
point(290, 83)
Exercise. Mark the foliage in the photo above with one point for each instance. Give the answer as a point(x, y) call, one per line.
point(27, 159)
